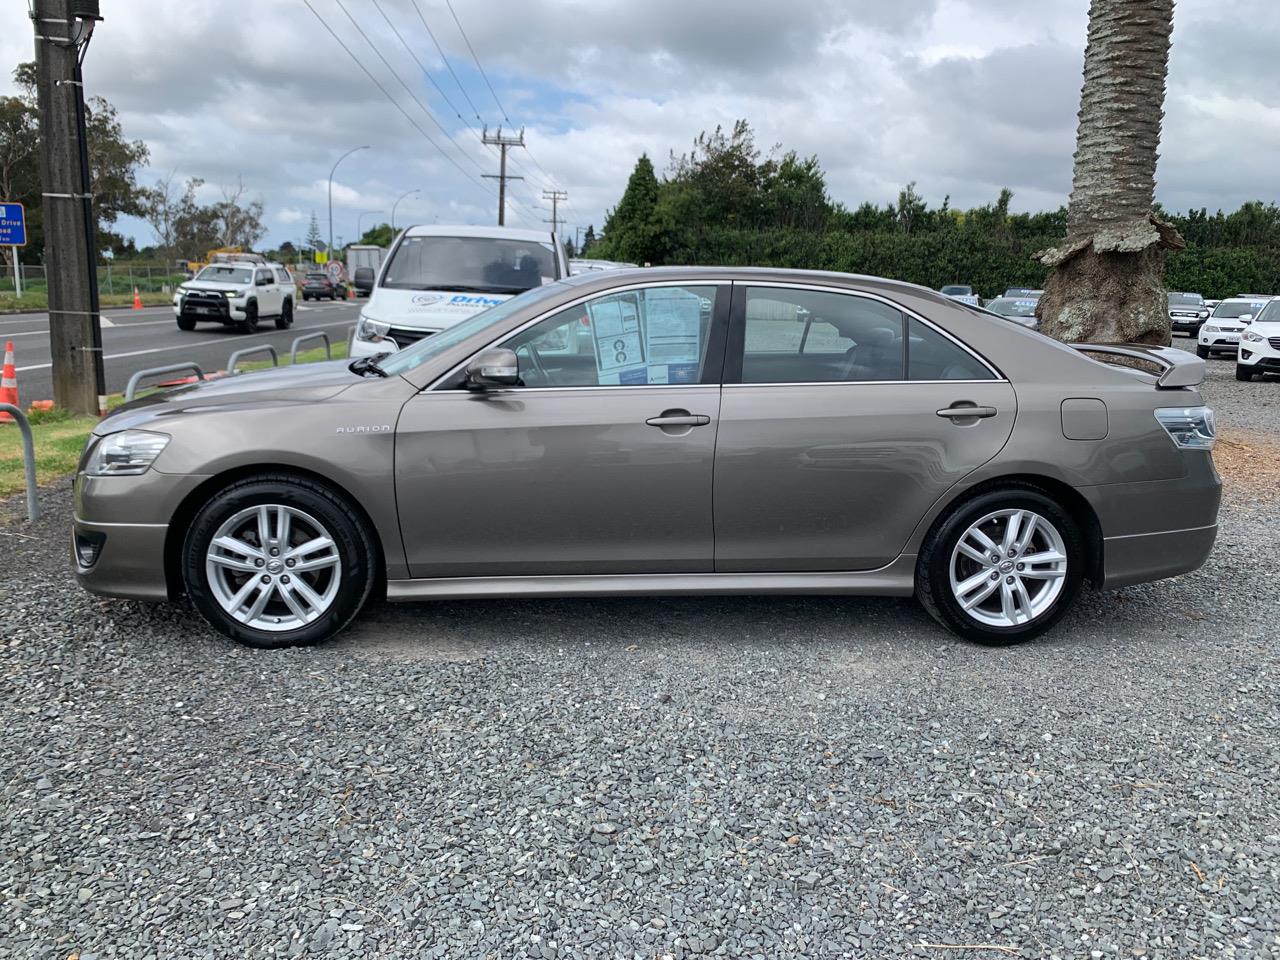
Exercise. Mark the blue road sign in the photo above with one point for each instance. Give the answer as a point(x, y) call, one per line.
point(13, 225)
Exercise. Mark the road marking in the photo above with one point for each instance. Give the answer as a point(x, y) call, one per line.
point(186, 346)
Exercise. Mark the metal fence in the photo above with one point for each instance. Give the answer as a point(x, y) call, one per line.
point(113, 278)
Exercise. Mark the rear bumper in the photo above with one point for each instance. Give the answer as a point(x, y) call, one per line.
point(1155, 556)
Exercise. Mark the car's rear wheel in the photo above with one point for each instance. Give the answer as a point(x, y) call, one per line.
point(278, 561)
point(285, 320)
point(1003, 567)
point(1202, 351)
point(186, 323)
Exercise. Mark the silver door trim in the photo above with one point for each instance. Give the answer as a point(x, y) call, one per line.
point(854, 383)
point(896, 579)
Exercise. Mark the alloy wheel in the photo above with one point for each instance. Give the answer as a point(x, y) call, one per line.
point(273, 567)
point(1008, 568)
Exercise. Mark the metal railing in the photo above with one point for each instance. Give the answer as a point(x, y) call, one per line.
point(319, 335)
point(28, 458)
point(132, 388)
point(351, 337)
point(246, 351)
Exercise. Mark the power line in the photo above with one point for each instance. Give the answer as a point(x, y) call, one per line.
point(394, 102)
point(440, 50)
point(422, 106)
point(467, 41)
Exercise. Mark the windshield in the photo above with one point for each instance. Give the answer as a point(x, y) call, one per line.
point(1230, 309)
point(430, 347)
point(225, 274)
point(483, 264)
point(1186, 300)
point(956, 290)
point(1009, 307)
point(1270, 313)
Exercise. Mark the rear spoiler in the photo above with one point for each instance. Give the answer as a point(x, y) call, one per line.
point(1177, 367)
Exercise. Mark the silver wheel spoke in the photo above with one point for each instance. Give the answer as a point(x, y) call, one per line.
point(991, 587)
point(1026, 585)
point(1049, 556)
point(256, 585)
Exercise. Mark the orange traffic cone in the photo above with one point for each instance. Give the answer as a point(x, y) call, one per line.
point(8, 382)
point(137, 300)
point(351, 292)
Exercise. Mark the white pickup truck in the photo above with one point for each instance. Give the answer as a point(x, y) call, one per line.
point(237, 293)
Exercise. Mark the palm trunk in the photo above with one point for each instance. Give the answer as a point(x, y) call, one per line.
point(1107, 281)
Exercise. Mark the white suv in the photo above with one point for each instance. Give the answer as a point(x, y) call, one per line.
point(238, 293)
point(1260, 344)
point(436, 276)
point(1221, 332)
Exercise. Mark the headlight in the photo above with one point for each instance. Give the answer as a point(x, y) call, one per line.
point(1204, 313)
point(127, 453)
point(1252, 337)
point(236, 294)
point(1190, 428)
point(373, 330)
point(1210, 328)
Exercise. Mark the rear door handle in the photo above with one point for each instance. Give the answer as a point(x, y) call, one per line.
point(679, 420)
point(967, 413)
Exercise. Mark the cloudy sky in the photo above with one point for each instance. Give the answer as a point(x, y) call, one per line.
point(962, 96)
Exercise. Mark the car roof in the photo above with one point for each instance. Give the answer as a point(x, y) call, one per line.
point(613, 278)
point(489, 233)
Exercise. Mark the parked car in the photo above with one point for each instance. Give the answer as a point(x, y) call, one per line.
point(1260, 344)
point(730, 431)
point(362, 279)
point(1021, 310)
point(438, 276)
point(961, 292)
point(1221, 332)
point(1187, 312)
point(318, 285)
point(238, 293)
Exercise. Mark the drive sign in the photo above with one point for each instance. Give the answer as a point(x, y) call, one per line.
point(13, 225)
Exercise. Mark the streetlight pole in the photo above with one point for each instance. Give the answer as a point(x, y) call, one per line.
point(396, 204)
point(331, 173)
point(360, 223)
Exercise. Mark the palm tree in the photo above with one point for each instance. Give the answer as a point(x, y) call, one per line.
point(1107, 278)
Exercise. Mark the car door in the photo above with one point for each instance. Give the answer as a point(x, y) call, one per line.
point(267, 291)
point(600, 463)
point(843, 419)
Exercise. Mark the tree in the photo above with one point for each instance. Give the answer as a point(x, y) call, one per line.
point(1106, 279)
point(380, 235)
point(313, 240)
point(239, 223)
point(588, 238)
point(632, 231)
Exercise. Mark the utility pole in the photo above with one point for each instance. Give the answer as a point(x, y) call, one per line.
point(555, 196)
point(63, 29)
point(503, 144)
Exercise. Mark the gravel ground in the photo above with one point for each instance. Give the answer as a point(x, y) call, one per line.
point(649, 778)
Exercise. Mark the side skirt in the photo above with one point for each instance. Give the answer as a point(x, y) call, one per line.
point(897, 579)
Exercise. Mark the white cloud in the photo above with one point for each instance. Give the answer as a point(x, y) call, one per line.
point(963, 96)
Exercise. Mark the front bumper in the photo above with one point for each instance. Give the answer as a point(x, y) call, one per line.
point(129, 517)
point(1260, 356)
point(219, 309)
point(1227, 341)
point(1186, 323)
point(397, 339)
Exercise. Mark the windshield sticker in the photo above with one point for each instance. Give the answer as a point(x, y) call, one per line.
point(615, 331)
point(671, 332)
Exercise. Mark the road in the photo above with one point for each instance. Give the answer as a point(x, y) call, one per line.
point(136, 339)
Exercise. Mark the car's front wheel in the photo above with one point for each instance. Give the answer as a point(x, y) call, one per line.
point(250, 321)
point(186, 323)
point(1202, 351)
point(1002, 568)
point(1244, 373)
point(278, 561)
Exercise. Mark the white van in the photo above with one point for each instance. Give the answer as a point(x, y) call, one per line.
point(436, 276)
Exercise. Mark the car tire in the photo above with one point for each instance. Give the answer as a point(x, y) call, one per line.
point(1203, 352)
point(186, 323)
point(1244, 373)
point(250, 321)
point(285, 320)
point(1041, 593)
point(336, 591)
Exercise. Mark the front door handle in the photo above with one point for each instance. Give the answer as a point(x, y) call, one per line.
point(959, 412)
point(679, 418)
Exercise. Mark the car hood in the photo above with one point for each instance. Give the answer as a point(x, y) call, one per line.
point(218, 285)
point(1192, 308)
point(303, 383)
point(428, 309)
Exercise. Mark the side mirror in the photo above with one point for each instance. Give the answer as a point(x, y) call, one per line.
point(1245, 318)
point(498, 367)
